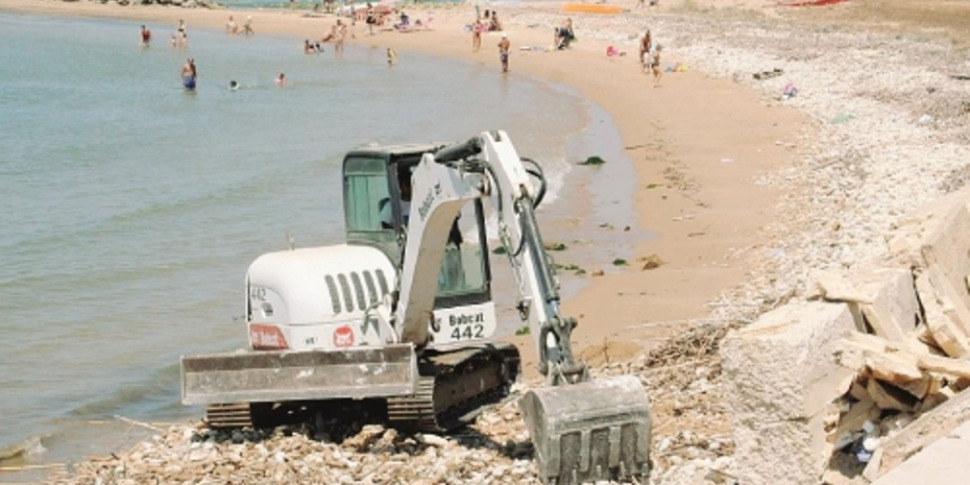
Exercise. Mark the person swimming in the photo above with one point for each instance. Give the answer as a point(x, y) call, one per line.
point(233, 85)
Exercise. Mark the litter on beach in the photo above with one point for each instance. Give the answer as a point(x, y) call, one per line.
point(768, 74)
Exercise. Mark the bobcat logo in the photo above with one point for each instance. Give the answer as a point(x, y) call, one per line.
point(343, 336)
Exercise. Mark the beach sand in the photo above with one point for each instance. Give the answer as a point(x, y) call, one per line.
point(726, 170)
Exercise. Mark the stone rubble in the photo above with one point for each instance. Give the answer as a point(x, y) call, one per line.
point(495, 450)
point(887, 137)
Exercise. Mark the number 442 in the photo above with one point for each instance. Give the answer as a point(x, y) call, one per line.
point(465, 332)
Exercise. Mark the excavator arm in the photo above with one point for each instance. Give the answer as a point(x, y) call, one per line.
point(582, 429)
point(484, 167)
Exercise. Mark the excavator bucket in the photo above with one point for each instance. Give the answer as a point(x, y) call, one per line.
point(300, 375)
point(597, 430)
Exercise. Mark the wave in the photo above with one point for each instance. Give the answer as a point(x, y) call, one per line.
point(26, 448)
point(155, 397)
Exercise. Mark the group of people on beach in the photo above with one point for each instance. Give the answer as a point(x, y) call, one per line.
point(563, 36)
point(180, 38)
point(247, 28)
point(487, 23)
point(338, 33)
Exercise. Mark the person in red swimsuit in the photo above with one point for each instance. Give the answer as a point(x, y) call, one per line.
point(146, 36)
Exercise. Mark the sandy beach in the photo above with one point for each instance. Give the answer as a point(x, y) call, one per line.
point(747, 190)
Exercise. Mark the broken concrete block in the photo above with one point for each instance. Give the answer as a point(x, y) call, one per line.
point(939, 463)
point(926, 429)
point(851, 422)
point(934, 232)
point(792, 452)
point(890, 362)
point(836, 286)
point(900, 370)
point(954, 305)
point(949, 250)
point(884, 297)
point(942, 318)
point(782, 366)
point(887, 396)
point(945, 365)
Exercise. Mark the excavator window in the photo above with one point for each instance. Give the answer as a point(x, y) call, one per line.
point(365, 183)
point(373, 181)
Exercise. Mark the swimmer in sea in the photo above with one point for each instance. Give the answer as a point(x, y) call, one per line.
point(146, 36)
point(189, 74)
point(233, 85)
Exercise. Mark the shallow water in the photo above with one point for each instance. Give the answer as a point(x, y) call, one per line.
point(131, 207)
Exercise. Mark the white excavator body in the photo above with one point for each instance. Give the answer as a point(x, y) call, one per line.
point(404, 313)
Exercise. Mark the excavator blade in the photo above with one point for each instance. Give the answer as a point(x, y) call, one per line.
point(276, 376)
point(597, 430)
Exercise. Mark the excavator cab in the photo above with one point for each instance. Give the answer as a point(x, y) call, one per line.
point(377, 198)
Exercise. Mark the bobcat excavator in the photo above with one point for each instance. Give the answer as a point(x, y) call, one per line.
point(402, 315)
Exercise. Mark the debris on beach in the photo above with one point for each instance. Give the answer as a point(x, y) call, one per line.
point(652, 261)
point(593, 160)
point(768, 74)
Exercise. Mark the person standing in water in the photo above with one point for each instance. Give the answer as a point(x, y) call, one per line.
point(183, 34)
point(503, 52)
point(189, 74)
point(146, 36)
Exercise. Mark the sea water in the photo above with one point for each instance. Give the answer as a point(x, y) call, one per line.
point(132, 207)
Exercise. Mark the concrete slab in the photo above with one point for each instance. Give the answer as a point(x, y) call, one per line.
point(943, 462)
point(782, 366)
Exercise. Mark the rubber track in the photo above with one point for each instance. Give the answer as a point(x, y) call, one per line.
point(421, 412)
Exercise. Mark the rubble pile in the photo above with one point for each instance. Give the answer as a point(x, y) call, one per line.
point(870, 369)
point(911, 353)
point(496, 449)
point(189, 454)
